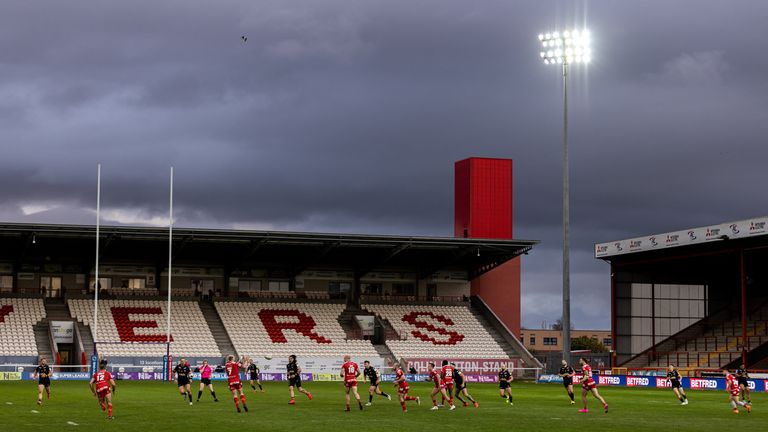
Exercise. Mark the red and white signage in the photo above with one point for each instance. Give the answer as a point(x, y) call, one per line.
point(663, 383)
point(471, 366)
point(608, 380)
point(729, 230)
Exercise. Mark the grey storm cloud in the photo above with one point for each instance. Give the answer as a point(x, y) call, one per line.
point(347, 115)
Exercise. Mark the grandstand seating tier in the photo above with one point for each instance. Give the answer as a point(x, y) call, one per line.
point(18, 317)
point(120, 321)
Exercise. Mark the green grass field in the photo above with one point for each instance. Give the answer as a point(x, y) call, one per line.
point(154, 406)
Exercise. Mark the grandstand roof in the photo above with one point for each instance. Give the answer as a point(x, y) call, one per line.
point(288, 252)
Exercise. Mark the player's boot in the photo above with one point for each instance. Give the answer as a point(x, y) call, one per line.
point(583, 410)
point(238, 408)
point(292, 401)
point(368, 404)
point(347, 409)
point(434, 408)
point(309, 395)
point(245, 407)
point(418, 401)
point(476, 404)
point(360, 404)
point(111, 418)
point(465, 404)
point(389, 397)
point(735, 410)
point(749, 408)
point(605, 408)
point(685, 402)
point(453, 407)
point(573, 402)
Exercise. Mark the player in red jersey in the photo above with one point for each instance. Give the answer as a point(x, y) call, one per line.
point(402, 388)
point(447, 373)
point(434, 376)
point(588, 385)
point(732, 387)
point(350, 371)
point(233, 378)
point(100, 387)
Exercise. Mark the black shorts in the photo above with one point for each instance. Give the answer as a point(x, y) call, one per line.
point(743, 382)
point(205, 381)
point(374, 383)
point(254, 377)
point(460, 386)
point(295, 382)
point(182, 381)
point(676, 384)
point(503, 385)
point(567, 381)
point(44, 382)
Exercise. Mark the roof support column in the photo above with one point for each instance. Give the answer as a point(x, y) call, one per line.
point(743, 277)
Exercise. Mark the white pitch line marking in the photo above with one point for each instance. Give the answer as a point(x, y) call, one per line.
point(71, 423)
point(35, 412)
point(9, 403)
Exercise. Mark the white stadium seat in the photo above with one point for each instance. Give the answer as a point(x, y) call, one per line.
point(437, 332)
point(18, 317)
point(281, 329)
point(117, 323)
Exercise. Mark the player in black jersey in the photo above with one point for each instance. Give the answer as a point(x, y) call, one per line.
point(742, 376)
point(372, 375)
point(461, 387)
point(675, 380)
point(183, 379)
point(253, 374)
point(43, 375)
point(294, 379)
point(567, 373)
point(505, 381)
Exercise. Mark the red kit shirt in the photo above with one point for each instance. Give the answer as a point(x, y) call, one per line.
point(447, 373)
point(731, 385)
point(101, 379)
point(351, 370)
point(435, 377)
point(587, 372)
point(233, 372)
point(400, 374)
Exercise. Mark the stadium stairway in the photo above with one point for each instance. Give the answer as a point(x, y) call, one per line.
point(43, 341)
point(501, 334)
point(216, 326)
point(85, 336)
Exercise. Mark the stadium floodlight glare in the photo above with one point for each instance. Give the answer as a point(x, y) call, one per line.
point(571, 47)
point(576, 40)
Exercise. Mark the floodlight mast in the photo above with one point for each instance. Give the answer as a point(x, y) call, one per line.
point(566, 48)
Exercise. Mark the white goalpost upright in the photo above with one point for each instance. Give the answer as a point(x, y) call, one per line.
point(96, 285)
point(170, 258)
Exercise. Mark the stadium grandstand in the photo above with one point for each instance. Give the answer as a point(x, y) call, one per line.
point(245, 292)
point(694, 298)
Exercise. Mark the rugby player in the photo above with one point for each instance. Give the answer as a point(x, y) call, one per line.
point(233, 379)
point(588, 385)
point(100, 384)
point(350, 371)
point(434, 376)
point(253, 374)
point(446, 373)
point(732, 387)
point(505, 385)
point(402, 387)
point(461, 387)
point(675, 381)
point(374, 379)
point(205, 380)
point(742, 376)
point(567, 373)
point(43, 375)
point(294, 379)
point(183, 374)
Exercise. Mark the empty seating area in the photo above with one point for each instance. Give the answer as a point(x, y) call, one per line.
point(18, 317)
point(437, 331)
point(141, 327)
point(141, 292)
point(284, 328)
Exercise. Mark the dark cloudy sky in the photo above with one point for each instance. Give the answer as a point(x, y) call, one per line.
point(347, 115)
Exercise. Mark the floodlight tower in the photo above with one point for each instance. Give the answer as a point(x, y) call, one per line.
point(566, 48)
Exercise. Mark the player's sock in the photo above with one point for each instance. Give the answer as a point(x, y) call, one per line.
point(189, 394)
point(237, 403)
point(242, 398)
point(109, 409)
point(434, 402)
point(253, 387)
point(384, 395)
point(260, 387)
point(733, 404)
point(49, 394)
point(213, 393)
point(403, 405)
point(442, 400)
point(199, 393)
point(103, 407)
point(741, 403)
point(570, 395)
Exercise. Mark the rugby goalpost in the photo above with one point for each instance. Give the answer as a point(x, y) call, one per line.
point(97, 285)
